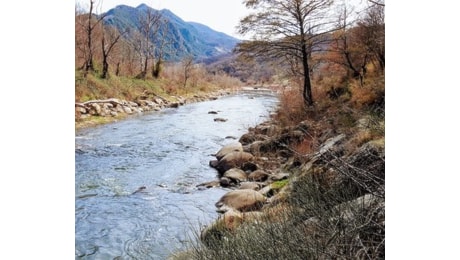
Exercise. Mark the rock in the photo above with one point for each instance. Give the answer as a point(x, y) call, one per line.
point(267, 191)
point(132, 104)
point(225, 182)
point(97, 108)
point(267, 129)
point(241, 200)
point(159, 101)
point(212, 112)
point(81, 110)
point(236, 175)
point(258, 175)
point(119, 109)
point(127, 110)
point(249, 185)
point(254, 147)
point(209, 184)
point(279, 176)
point(225, 223)
point(213, 163)
point(249, 167)
point(233, 160)
point(233, 147)
point(250, 137)
point(220, 119)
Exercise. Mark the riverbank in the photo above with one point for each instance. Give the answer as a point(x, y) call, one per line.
point(315, 188)
point(164, 154)
point(95, 112)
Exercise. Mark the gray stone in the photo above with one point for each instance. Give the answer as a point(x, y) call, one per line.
point(233, 147)
point(242, 200)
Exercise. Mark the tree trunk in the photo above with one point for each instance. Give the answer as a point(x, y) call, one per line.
point(117, 71)
point(89, 66)
point(307, 96)
point(105, 64)
point(157, 69)
point(144, 71)
point(105, 67)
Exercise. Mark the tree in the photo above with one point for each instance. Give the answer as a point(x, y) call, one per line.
point(149, 25)
point(287, 29)
point(373, 33)
point(187, 66)
point(90, 26)
point(110, 37)
point(348, 48)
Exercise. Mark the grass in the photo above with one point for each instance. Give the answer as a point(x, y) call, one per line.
point(93, 87)
point(310, 226)
point(328, 209)
point(169, 87)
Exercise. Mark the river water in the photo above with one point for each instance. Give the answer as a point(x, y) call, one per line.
point(167, 153)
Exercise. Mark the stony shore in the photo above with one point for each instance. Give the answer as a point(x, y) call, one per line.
point(261, 170)
point(95, 112)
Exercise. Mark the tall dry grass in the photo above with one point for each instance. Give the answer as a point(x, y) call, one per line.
point(170, 83)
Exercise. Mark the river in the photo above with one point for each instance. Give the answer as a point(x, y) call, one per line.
point(135, 180)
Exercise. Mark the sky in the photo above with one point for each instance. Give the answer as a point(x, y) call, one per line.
point(220, 15)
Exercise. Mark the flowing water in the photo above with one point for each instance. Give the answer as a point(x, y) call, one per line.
point(135, 180)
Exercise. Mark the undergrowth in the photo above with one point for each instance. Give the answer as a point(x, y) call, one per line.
point(335, 207)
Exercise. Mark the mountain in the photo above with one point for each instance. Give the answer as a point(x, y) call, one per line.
point(186, 38)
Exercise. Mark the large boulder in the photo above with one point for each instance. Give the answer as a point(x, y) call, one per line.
point(250, 185)
point(258, 175)
point(241, 200)
point(236, 175)
point(233, 147)
point(225, 223)
point(233, 160)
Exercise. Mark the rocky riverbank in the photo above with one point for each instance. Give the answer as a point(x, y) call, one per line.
point(270, 179)
point(107, 110)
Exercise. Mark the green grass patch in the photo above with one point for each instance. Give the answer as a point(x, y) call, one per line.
point(277, 185)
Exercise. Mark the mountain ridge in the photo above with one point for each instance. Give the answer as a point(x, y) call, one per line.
point(193, 39)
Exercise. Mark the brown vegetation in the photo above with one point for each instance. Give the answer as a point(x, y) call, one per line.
point(333, 206)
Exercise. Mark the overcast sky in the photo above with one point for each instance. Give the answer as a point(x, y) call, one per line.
point(220, 15)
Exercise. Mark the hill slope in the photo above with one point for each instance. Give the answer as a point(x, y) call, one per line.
point(186, 38)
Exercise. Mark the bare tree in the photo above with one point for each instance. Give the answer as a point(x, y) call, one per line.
point(91, 24)
point(163, 42)
point(348, 49)
point(373, 33)
point(80, 37)
point(287, 29)
point(187, 66)
point(110, 37)
point(149, 24)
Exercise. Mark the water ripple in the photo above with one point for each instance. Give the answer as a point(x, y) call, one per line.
point(165, 152)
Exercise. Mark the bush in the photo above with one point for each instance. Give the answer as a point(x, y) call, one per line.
point(322, 219)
